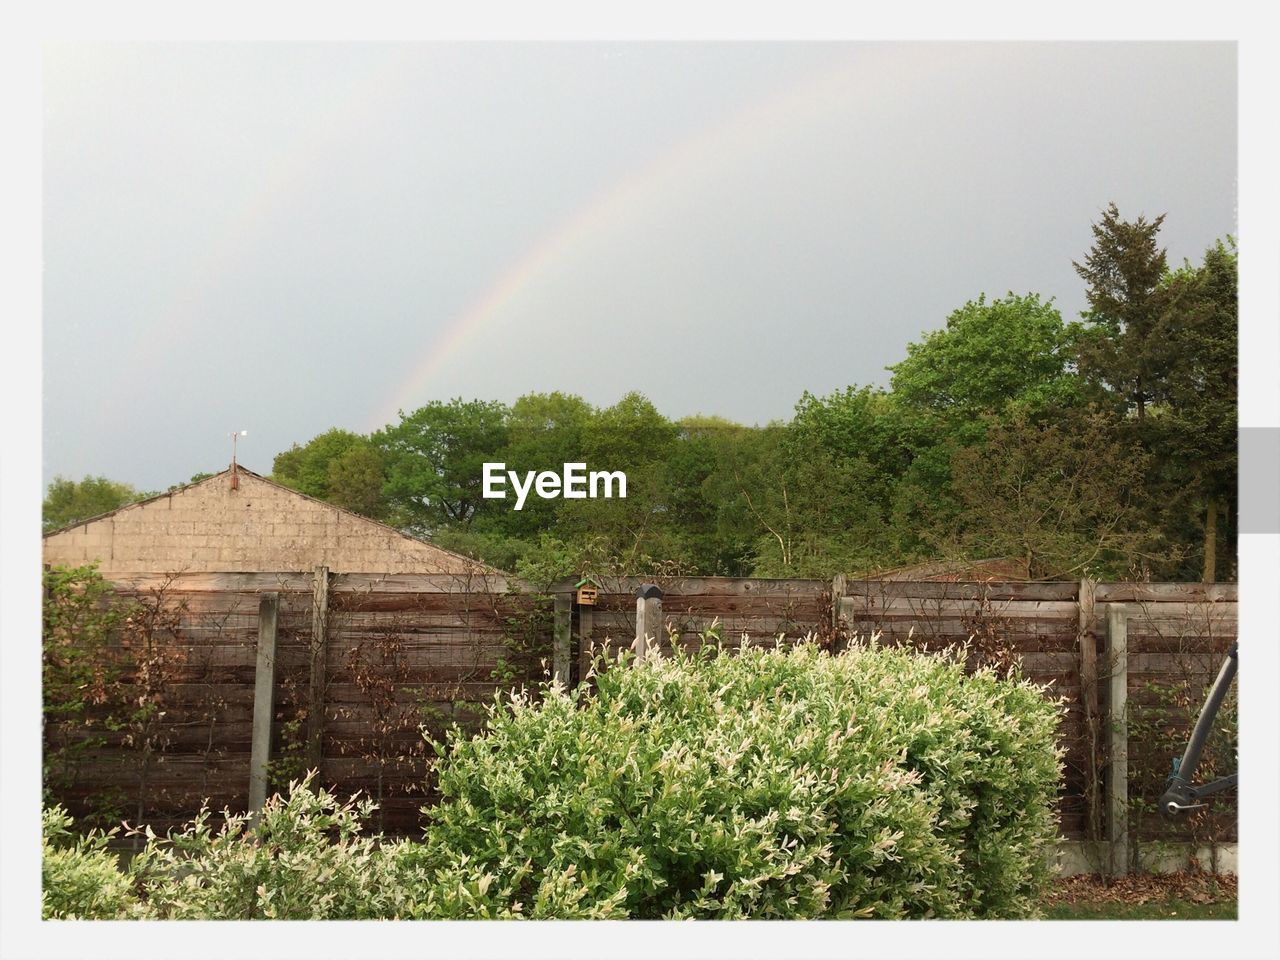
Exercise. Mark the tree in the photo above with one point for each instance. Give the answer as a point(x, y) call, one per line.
point(68, 502)
point(545, 430)
point(1193, 428)
point(990, 356)
point(78, 677)
point(803, 511)
point(634, 437)
point(356, 479)
point(306, 468)
point(337, 466)
point(1162, 346)
point(693, 505)
point(864, 422)
point(435, 460)
point(1065, 497)
point(1118, 347)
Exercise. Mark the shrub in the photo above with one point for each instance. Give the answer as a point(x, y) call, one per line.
point(875, 783)
point(304, 860)
point(79, 679)
point(80, 879)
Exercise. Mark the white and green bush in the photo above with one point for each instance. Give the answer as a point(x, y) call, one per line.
point(80, 877)
point(876, 783)
point(769, 784)
point(305, 859)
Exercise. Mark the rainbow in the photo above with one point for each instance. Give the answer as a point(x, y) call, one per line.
point(177, 319)
point(680, 167)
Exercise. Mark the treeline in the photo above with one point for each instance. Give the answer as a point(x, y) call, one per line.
point(1104, 446)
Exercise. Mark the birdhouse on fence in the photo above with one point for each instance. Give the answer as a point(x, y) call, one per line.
point(588, 590)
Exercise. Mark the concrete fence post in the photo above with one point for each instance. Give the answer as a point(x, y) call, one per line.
point(562, 637)
point(1087, 634)
point(263, 702)
point(648, 618)
point(1118, 714)
point(838, 587)
point(318, 651)
point(586, 627)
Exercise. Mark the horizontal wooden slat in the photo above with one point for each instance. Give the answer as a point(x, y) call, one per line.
point(217, 582)
point(446, 583)
point(963, 590)
point(1165, 592)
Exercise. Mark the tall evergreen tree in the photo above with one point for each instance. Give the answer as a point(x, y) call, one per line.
point(1117, 348)
point(1195, 435)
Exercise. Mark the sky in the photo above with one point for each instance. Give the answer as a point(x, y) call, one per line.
point(285, 238)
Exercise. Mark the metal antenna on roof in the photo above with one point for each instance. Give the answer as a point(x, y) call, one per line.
point(235, 478)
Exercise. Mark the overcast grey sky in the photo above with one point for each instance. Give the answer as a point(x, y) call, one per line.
point(286, 238)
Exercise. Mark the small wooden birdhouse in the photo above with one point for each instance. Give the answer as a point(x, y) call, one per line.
point(588, 589)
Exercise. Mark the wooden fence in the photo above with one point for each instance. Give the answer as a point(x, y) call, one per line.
point(1131, 661)
point(358, 663)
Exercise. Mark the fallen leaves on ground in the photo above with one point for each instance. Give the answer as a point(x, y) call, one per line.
point(1144, 888)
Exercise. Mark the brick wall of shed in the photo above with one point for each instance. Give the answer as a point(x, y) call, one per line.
point(209, 527)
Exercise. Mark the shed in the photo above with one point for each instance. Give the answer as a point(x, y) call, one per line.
point(239, 521)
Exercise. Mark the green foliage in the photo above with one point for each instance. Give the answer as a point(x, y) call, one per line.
point(67, 502)
point(290, 760)
point(79, 676)
point(1009, 352)
point(434, 461)
point(1162, 347)
point(777, 784)
point(305, 859)
point(195, 478)
point(1160, 718)
point(1067, 499)
point(338, 466)
point(1192, 425)
point(545, 430)
point(107, 669)
point(1118, 347)
point(355, 481)
point(550, 560)
point(80, 878)
point(770, 784)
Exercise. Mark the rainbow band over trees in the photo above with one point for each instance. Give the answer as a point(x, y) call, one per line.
point(760, 125)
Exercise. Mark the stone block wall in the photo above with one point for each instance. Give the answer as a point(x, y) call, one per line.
point(258, 526)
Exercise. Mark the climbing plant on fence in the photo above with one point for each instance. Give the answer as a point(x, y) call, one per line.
point(80, 684)
point(1172, 666)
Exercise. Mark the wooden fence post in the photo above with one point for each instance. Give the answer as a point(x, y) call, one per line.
point(1118, 779)
point(263, 702)
point(319, 644)
point(1088, 641)
point(648, 618)
point(562, 638)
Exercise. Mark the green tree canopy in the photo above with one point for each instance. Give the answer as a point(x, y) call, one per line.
point(435, 460)
point(1118, 347)
point(1192, 423)
point(67, 502)
point(356, 479)
point(1011, 351)
point(1066, 497)
point(306, 468)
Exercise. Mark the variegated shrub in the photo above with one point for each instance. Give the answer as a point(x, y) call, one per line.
point(788, 783)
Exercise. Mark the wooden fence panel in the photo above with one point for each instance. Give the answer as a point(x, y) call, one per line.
point(1173, 656)
point(404, 651)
